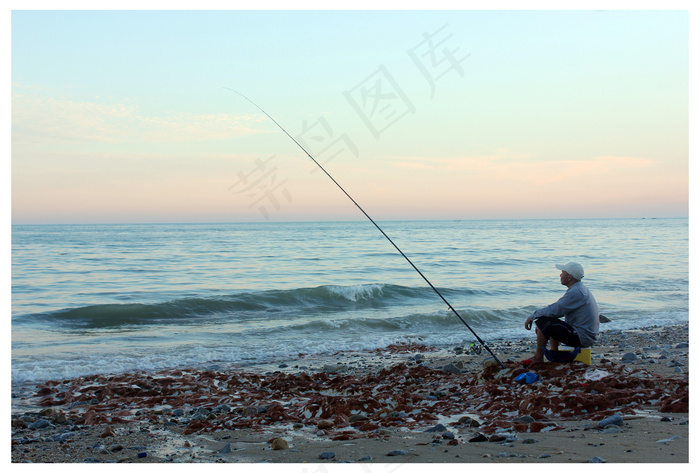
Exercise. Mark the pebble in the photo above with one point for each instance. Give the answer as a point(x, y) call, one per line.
point(396, 453)
point(226, 448)
point(437, 428)
point(451, 368)
point(40, 424)
point(629, 356)
point(596, 460)
point(615, 419)
point(526, 419)
point(279, 444)
point(366, 458)
point(324, 424)
point(326, 455)
point(202, 411)
point(479, 438)
point(53, 438)
point(469, 421)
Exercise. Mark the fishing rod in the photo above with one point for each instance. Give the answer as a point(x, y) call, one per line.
point(375, 224)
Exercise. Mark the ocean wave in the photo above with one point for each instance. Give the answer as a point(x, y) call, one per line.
point(243, 306)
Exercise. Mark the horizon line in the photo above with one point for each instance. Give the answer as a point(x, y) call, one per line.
point(351, 221)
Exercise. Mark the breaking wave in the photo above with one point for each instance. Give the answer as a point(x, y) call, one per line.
point(242, 306)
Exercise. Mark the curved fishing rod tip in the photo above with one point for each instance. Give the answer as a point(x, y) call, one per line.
point(233, 90)
point(237, 92)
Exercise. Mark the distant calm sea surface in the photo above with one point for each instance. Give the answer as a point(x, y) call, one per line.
point(109, 298)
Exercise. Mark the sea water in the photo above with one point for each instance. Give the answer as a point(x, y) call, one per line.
point(92, 299)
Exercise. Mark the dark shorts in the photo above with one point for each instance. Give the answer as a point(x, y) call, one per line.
point(552, 327)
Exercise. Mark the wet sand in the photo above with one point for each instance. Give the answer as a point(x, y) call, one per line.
point(406, 404)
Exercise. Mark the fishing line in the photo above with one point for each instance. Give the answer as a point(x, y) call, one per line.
point(375, 224)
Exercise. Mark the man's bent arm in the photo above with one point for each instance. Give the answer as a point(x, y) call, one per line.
point(570, 301)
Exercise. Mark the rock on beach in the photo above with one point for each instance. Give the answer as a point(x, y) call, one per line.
point(324, 424)
point(279, 444)
point(397, 453)
point(615, 419)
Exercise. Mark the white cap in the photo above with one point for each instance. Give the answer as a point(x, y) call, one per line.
point(574, 269)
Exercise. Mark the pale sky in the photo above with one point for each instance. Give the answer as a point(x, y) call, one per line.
point(127, 116)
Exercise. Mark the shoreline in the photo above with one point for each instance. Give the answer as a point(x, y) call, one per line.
point(504, 346)
point(405, 404)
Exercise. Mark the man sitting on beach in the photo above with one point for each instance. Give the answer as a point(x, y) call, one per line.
point(579, 309)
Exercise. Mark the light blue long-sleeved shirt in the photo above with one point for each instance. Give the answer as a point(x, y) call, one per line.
point(579, 309)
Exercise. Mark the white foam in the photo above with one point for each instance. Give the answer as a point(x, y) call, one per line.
point(358, 292)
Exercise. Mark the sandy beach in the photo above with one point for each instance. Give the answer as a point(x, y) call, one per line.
point(407, 404)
